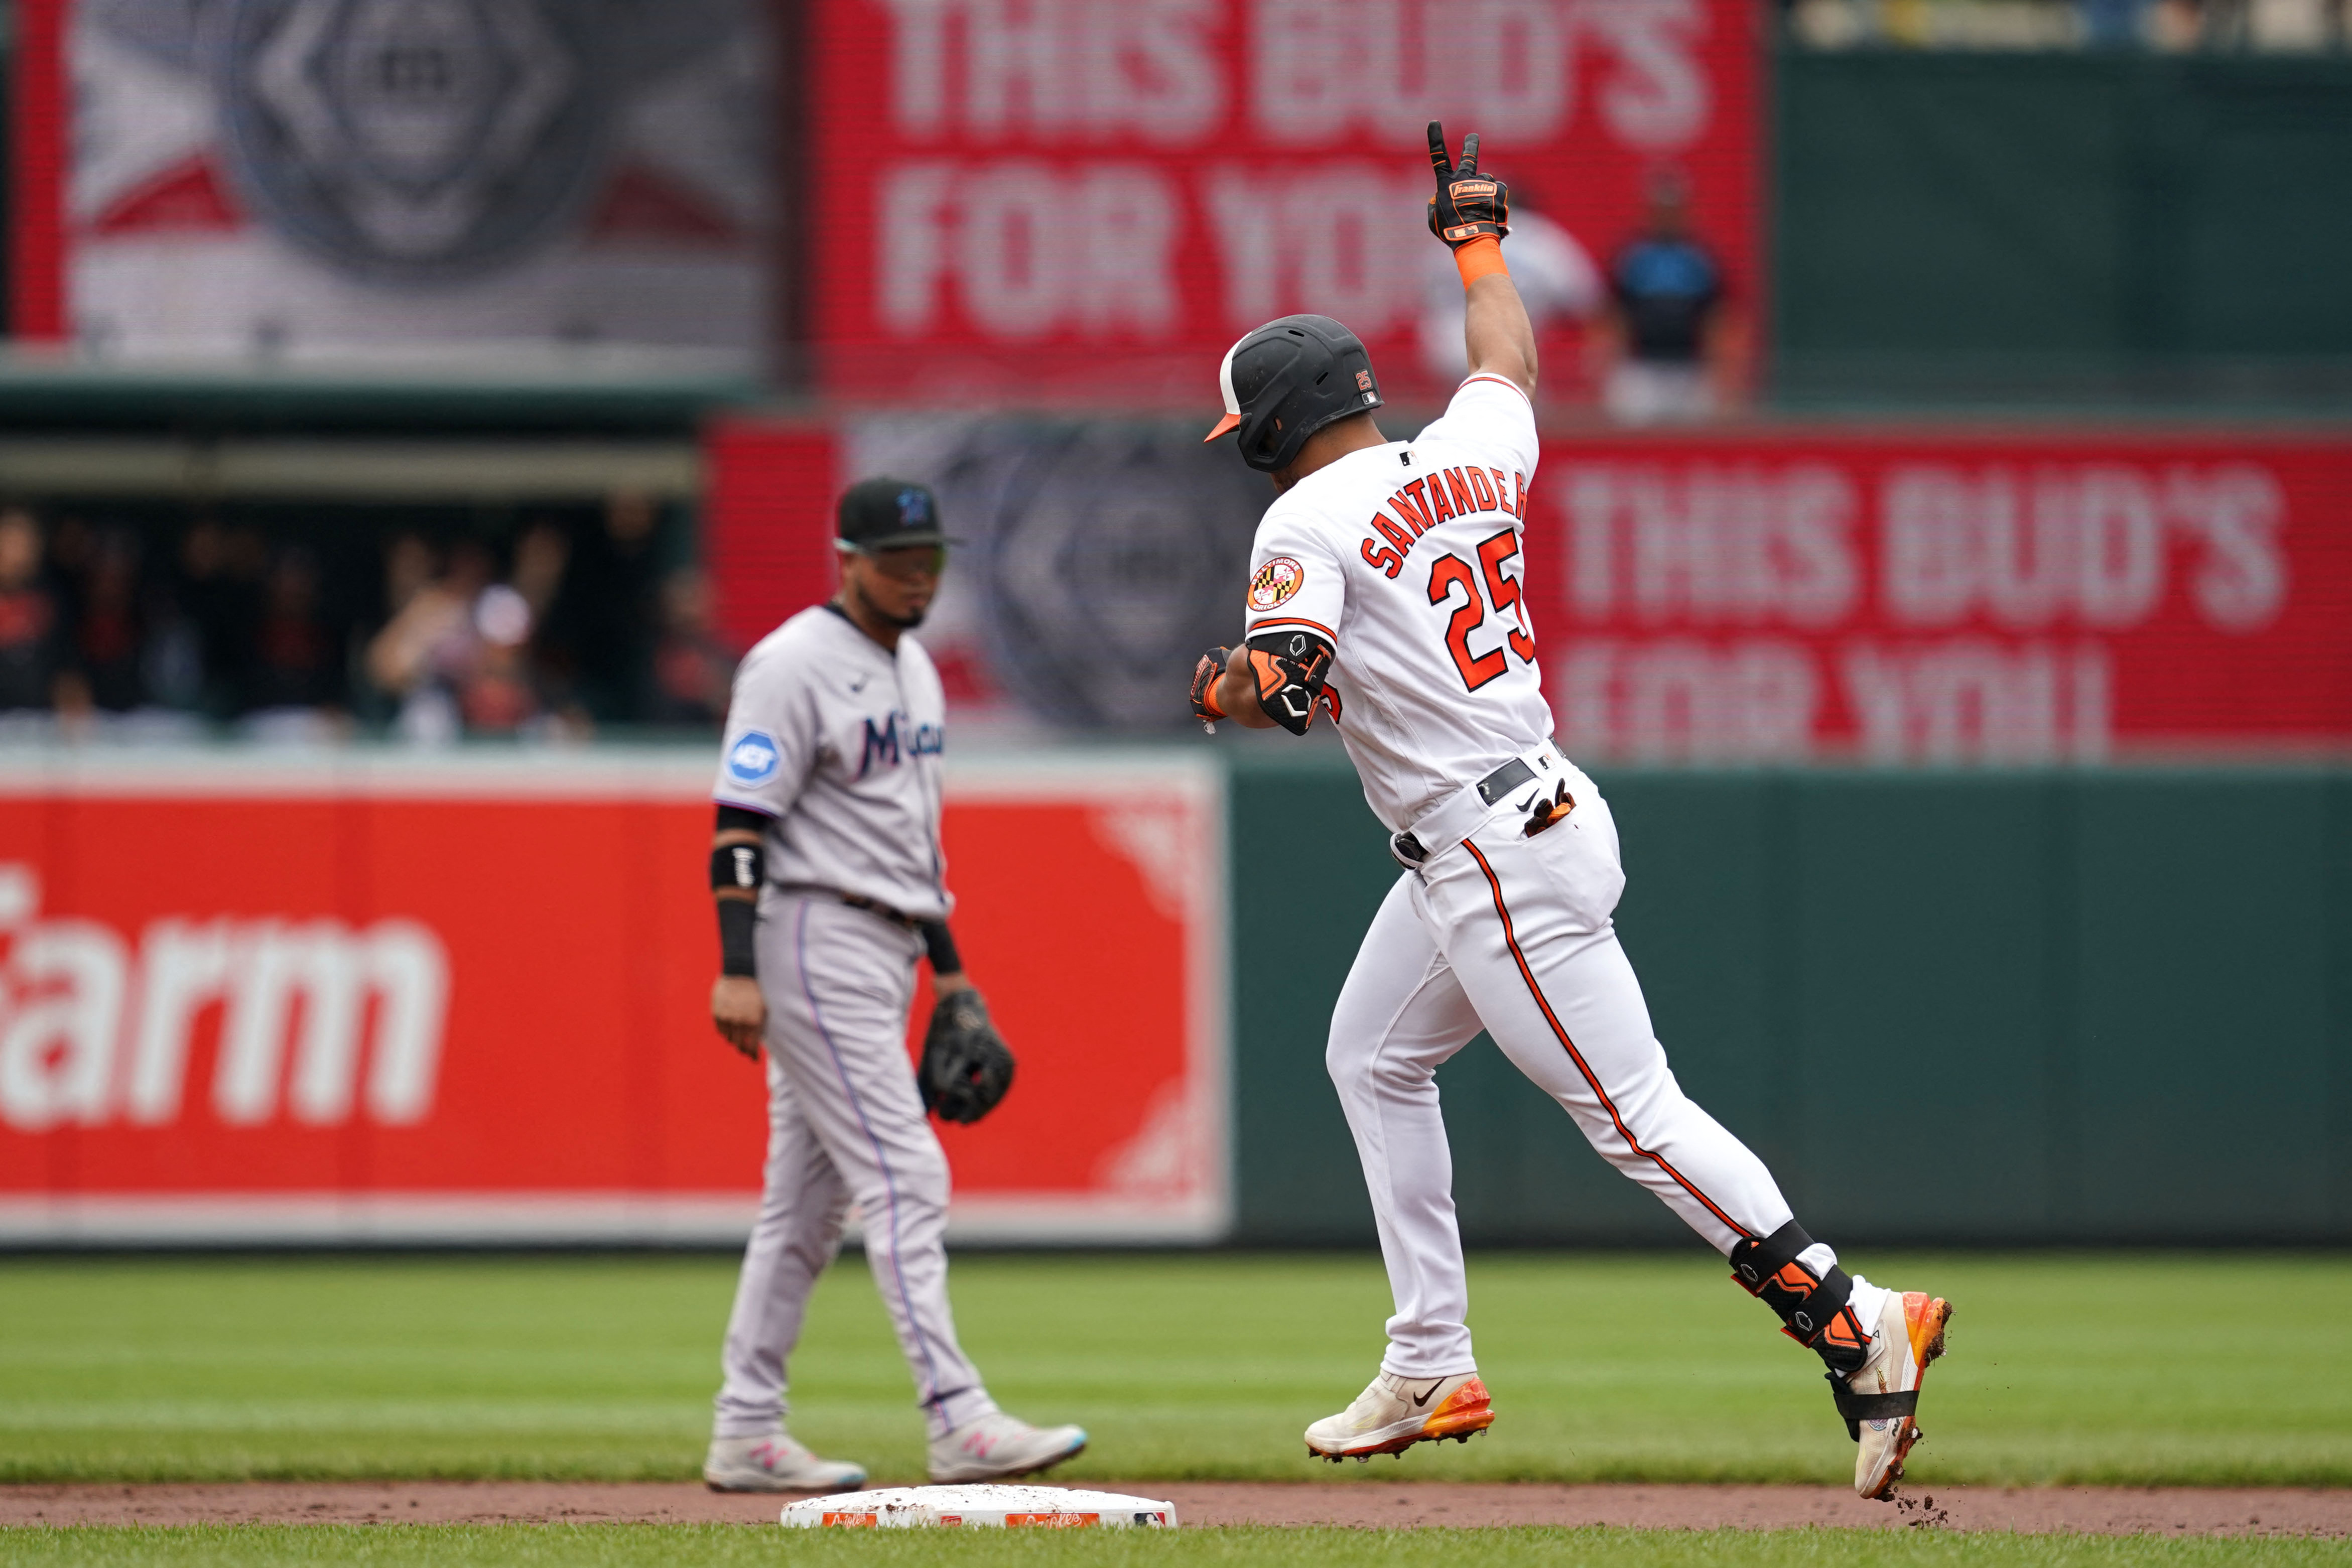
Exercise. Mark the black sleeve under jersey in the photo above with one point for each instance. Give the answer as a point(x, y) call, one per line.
point(741, 820)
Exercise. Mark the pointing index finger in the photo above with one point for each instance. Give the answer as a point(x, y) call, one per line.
point(1437, 155)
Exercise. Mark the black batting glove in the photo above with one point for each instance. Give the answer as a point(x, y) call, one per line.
point(1468, 204)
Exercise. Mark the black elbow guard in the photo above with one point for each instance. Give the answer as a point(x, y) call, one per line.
point(1290, 667)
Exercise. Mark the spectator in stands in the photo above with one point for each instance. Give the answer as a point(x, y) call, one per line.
point(1675, 343)
point(496, 693)
point(220, 588)
point(459, 654)
point(608, 617)
point(33, 642)
point(693, 669)
point(410, 564)
point(542, 558)
point(299, 685)
point(1556, 279)
point(428, 647)
point(111, 623)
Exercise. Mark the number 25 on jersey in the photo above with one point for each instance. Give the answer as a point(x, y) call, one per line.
point(1450, 571)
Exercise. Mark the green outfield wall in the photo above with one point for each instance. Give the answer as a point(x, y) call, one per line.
point(2103, 226)
point(2061, 1007)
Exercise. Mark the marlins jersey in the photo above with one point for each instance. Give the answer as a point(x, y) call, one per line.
point(1405, 558)
point(837, 741)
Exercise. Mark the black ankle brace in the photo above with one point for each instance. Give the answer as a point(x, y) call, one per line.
point(1814, 1309)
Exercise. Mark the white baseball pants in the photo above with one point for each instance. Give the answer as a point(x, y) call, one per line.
point(845, 1124)
point(1512, 934)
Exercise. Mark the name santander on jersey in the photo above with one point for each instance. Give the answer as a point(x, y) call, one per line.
point(1406, 558)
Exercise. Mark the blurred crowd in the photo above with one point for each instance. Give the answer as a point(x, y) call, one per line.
point(1663, 341)
point(2300, 26)
point(429, 630)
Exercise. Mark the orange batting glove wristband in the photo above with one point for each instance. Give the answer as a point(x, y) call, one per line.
point(1481, 258)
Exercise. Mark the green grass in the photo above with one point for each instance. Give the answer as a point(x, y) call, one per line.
point(721, 1546)
point(2132, 1369)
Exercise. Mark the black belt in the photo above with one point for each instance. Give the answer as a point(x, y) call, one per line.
point(874, 907)
point(877, 908)
point(1491, 788)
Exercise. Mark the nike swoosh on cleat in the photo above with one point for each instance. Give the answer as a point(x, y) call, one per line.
point(1420, 1399)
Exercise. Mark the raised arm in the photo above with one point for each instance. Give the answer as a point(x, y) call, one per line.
point(1470, 212)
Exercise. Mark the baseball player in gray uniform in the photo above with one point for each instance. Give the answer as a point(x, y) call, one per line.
point(1384, 590)
point(830, 885)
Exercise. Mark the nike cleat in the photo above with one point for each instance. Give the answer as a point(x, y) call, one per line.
point(1394, 1413)
point(1881, 1402)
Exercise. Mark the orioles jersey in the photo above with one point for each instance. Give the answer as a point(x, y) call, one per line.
point(1405, 558)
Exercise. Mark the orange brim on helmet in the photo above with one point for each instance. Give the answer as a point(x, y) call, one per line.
point(1225, 385)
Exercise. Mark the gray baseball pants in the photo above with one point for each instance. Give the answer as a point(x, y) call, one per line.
point(844, 1125)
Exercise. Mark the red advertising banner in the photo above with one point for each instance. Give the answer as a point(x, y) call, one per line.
point(1920, 595)
point(1943, 597)
point(377, 1000)
point(1061, 198)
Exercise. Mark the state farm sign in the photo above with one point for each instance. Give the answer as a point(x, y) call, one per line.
point(320, 1021)
point(1065, 197)
point(361, 996)
point(1942, 597)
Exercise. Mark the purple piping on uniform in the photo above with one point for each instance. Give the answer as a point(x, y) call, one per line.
point(881, 1162)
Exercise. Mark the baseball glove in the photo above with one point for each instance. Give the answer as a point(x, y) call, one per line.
point(966, 1067)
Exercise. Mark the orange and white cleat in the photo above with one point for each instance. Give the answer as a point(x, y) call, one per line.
point(1881, 1402)
point(1394, 1413)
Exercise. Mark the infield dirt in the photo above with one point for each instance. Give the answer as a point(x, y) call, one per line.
point(2099, 1510)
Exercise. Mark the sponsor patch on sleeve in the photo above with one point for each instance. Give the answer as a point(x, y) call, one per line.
point(752, 759)
point(1276, 581)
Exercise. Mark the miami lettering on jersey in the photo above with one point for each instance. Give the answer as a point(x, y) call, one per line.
point(1422, 604)
point(837, 740)
point(884, 742)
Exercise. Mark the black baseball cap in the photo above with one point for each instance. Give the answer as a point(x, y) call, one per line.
point(886, 513)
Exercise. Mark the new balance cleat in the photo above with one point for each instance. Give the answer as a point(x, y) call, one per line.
point(774, 1463)
point(998, 1446)
point(1881, 1402)
point(1394, 1413)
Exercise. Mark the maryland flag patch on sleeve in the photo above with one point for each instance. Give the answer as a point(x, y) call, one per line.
point(1276, 581)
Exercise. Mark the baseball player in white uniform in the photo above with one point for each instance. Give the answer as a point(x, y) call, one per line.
point(1385, 591)
point(830, 884)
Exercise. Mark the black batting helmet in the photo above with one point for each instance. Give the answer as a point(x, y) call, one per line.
point(1288, 380)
